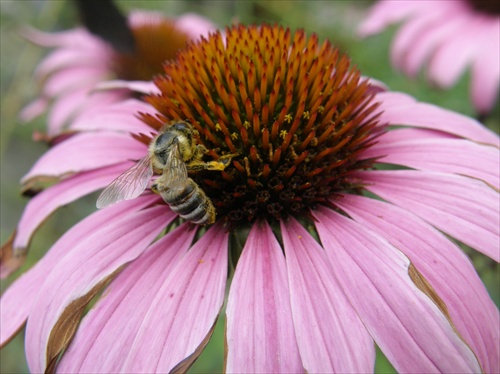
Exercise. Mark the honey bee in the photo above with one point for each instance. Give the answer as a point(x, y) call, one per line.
point(174, 152)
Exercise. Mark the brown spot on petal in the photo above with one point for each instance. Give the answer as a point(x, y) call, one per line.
point(184, 365)
point(35, 185)
point(63, 331)
point(10, 262)
point(424, 286)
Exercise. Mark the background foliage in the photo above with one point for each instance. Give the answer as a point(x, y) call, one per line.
point(335, 20)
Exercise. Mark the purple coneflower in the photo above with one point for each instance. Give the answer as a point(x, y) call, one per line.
point(344, 196)
point(448, 37)
point(85, 74)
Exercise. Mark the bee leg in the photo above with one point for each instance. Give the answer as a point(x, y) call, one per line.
point(219, 165)
point(199, 151)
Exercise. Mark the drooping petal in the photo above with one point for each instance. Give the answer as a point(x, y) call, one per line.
point(180, 319)
point(465, 208)
point(95, 150)
point(17, 300)
point(384, 13)
point(260, 335)
point(66, 109)
point(444, 265)
point(408, 36)
point(91, 262)
point(75, 38)
point(46, 202)
point(34, 109)
point(64, 58)
point(120, 117)
point(330, 335)
point(63, 109)
point(450, 60)
point(64, 81)
point(194, 25)
point(406, 324)
point(136, 86)
point(101, 341)
point(486, 68)
point(401, 109)
point(410, 52)
point(456, 156)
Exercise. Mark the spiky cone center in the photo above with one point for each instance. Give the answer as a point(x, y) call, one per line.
point(490, 7)
point(155, 42)
point(295, 112)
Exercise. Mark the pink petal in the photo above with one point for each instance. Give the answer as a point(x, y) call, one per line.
point(330, 335)
point(17, 301)
point(75, 38)
point(46, 202)
point(120, 116)
point(486, 69)
point(137, 86)
point(406, 324)
point(399, 110)
point(464, 208)
point(89, 261)
point(444, 265)
point(444, 155)
point(384, 13)
point(452, 58)
point(63, 60)
point(95, 150)
point(260, 336)
point(426, 34)
point(63, 81)
point(413, 133)
point(34, 109)
point(101, 342)
point(195, 25)
point(407, 36)
point(185, 308)
point(65, 107)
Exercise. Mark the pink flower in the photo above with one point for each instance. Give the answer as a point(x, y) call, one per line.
point(340, 251)
point(447, 36)
point(84, 74)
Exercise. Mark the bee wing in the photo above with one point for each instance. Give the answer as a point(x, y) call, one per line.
point(127, 185)
point(175, 172)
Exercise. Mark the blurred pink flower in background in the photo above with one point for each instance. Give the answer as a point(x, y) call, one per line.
point(84, 73)
point(447, 37)
point(327, 270)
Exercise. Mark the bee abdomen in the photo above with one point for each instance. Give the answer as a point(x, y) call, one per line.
point(191, 204)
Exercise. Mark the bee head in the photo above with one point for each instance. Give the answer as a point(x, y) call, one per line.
point(178, 133)
point(162, 145)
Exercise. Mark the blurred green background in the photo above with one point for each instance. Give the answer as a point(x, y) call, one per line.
point(334, 20)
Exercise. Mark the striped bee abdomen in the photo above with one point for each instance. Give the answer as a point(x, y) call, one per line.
point(191, 203)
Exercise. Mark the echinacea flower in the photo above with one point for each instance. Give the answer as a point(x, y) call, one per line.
point(345, 196)
point(447, 37)
point(84, 73)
